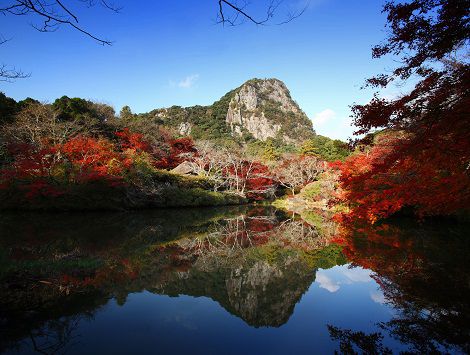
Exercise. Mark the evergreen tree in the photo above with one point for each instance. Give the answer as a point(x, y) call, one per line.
point(270, 152)
point(126, 113)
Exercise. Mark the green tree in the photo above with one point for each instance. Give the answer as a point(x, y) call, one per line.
point(93, 117)
point(325, 148)
point(270, 152)
point(309, 148)
point(8, 108)
point(126, 113)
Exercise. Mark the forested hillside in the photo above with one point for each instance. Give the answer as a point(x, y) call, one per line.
point(78, 154)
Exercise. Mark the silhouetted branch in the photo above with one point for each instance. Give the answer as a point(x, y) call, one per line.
point(10, 74)
point(234, 12)
point(54, 14)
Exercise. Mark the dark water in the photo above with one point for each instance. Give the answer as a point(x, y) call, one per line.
point(235, 280)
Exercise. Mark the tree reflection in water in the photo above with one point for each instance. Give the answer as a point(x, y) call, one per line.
point(350, 342)
point(56, 335)
point(257, 263)
point(424, 274)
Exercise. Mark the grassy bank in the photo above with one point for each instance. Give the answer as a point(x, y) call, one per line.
point(161, 189)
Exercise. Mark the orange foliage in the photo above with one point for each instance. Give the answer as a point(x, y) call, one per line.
point(92, 159)
point(394, 174)
point(134, 141)
point(179, 149)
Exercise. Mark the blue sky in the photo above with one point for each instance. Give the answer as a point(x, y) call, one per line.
point(170, 52)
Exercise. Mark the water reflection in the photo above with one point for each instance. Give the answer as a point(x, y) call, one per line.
point(65, 279)
point(333, 279)
point(424, 273)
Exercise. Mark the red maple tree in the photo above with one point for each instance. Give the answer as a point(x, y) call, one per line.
point(423, 159)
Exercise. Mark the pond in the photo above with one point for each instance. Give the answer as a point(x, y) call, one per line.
point(236, 280)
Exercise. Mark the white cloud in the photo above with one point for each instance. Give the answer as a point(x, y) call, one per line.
point(333, 124)
point(326, 283)
point(357, 274)
point(189, 81)
point(332, 279)
point(377, 297)
point(323, 117)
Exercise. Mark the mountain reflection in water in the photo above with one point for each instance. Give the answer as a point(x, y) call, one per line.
point(96, 282)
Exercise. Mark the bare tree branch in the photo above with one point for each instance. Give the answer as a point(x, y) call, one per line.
point(68, 11)
point(54, 14)
point(233, 13)
point(3, 40)
point(10, 74)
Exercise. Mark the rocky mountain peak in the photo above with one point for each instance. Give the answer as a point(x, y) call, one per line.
point(265, 109)
point(261, 91)
point(258, 109)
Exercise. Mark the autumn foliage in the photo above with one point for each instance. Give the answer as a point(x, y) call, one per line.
point(421, 158)
point(124, 161)
point(134, 141)
point(261, 183)
point(393, 175)
point(180, 149)
point(419, 271)
point(296, 172)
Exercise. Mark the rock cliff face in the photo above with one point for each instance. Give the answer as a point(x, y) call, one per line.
point(259, 109)
point(263, 294)
point(265, 109)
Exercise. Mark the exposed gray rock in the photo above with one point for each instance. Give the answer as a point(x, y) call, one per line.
point(184, 169)
point(265, 109)
point(185, 128)
point(262, 108)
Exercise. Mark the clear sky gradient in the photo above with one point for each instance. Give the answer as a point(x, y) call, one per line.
point(170, 52)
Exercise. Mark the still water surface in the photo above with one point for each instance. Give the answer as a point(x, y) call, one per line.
point(230, 280)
